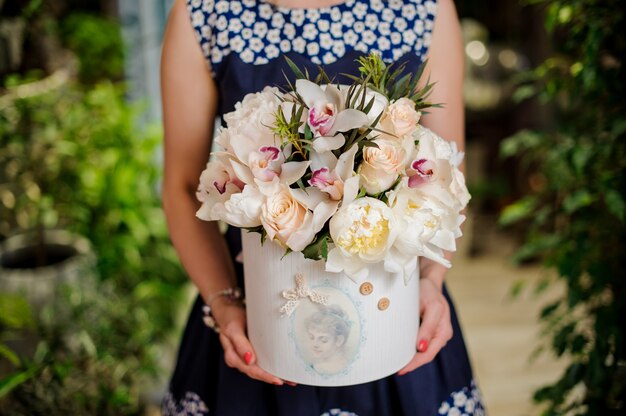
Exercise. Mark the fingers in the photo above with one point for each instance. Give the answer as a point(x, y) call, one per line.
point(432, 342)
point(234, 360)
point(421, 358)
point(242, 346)
point(432, 314)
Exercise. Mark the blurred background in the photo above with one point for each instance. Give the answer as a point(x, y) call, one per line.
point(93, 298)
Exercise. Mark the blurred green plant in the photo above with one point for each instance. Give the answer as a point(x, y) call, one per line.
point(91, 362)
point(577, 207)
point(77, 160)
point(15, 316)
point(98, 44)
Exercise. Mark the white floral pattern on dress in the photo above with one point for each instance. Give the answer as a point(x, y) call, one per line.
point(251, 29)
point(338, 412)
point(465, 402)
point(190, 405)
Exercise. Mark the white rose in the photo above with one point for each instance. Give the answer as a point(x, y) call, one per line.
point(401, 117)
point(381, 166)
point(242, 209)
point(363, 231)
point(282, 215)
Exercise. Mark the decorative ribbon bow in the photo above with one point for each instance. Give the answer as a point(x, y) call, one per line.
point(301, 292)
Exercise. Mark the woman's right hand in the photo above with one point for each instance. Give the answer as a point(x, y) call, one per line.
point(238, 351)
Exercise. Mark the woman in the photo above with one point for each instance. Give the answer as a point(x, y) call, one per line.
point(215, 52)
point(328, 330)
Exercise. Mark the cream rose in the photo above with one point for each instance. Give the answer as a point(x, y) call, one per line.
point(282, 215)
point(401, 117)
point(381, 166)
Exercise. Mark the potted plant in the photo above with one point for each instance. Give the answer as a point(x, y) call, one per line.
point(38, 171)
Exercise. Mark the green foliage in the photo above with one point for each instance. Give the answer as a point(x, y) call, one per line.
point(577, 212)
point(318, 249)
point(97, 42)
point(389, 81)
point(91, 362)
point(76, 160)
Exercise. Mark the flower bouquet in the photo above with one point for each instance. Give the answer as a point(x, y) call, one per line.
point(347, 191)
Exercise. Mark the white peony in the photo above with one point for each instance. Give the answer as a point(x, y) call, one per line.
point(426, 227)
point(363, 231)
point(255, 114)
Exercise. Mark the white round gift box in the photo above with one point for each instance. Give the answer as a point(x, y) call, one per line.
point(317, 328)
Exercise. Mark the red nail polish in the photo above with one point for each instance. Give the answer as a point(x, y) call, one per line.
point(423, 344)
point(247, 357)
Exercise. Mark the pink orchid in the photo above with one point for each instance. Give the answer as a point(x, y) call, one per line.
point(266, 163)
point(328, 182)
point(424, 170)
point(327, 116)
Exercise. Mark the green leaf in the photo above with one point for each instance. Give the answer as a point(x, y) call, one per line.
point(318, 249)
point(581, 156)
point(518, 211)
point(579, 199)
point(549, 309)
point(294, 68)
point(520, 142)
point(15, 312)
point(615, 203)
point(308, 134)
point(536, 246)
point(524, 92)
point(14, 380)
point(619, 127)
point(517, 288)
point(369, 143)
point(9, 354)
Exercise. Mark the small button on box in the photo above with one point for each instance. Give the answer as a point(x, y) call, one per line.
point(383, 304)
point(366, 288)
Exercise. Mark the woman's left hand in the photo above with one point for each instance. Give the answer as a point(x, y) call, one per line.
point(436, 326)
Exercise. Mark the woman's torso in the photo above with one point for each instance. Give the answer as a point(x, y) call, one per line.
point(244, 41)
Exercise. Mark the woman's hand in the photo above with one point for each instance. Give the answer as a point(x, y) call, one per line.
point(436, 327)
point(238, 351)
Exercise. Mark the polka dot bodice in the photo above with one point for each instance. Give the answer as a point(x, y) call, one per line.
point(258, 32)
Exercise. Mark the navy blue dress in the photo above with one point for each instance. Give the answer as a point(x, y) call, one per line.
point(244, 42)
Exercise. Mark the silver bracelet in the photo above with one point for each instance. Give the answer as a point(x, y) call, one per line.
point(233, 294)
